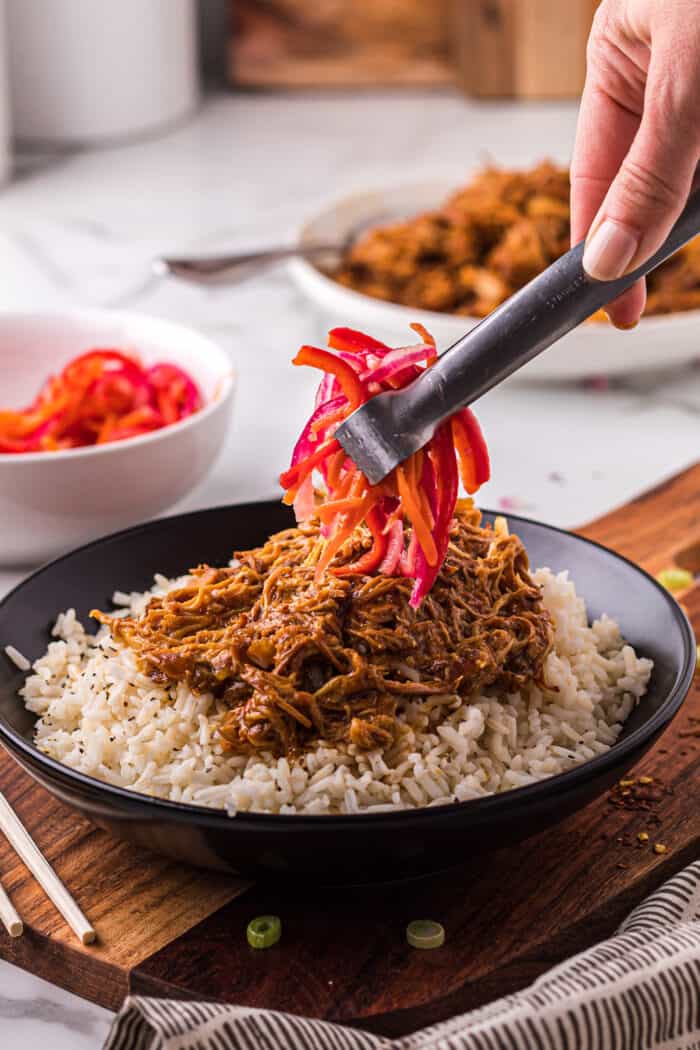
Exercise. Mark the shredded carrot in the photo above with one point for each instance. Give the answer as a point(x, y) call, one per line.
point(422, 492)
point(410, 497)
point(465, 455)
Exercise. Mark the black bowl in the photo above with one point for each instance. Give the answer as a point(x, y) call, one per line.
point(363, 847)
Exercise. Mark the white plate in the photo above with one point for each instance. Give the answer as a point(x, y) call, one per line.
point(591, 349)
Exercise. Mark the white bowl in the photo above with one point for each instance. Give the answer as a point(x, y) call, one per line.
point(51, 501)
point(591, 349)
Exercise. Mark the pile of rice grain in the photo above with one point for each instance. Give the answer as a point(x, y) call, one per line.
point(99, 714)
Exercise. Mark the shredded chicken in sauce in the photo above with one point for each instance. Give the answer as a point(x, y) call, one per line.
point(488, 240)
point(296, 660)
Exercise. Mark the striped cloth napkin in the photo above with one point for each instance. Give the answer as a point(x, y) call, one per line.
point(639, 990)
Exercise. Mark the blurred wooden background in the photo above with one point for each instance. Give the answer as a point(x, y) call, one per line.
point(492, 48)
point(339, 43)
point(521, 48)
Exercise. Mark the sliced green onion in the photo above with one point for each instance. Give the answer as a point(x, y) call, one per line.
point(264, 931)
point(424, 933)
point(697, 660)
point(675, 579)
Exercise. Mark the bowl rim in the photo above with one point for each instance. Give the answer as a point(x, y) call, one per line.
point(307, 272)
point(224, 384)
point(480, 807)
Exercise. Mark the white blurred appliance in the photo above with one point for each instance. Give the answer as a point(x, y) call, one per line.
point(4, 102)
point(84, 72)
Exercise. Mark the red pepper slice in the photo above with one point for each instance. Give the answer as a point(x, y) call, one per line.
point(101, 395)
point(346, 376)
point(296, 474)
point(355, 342)
point(175, 387)
point(441, 481)
point(394, 550)
point(422, 491)
point(307, 442)
point(482, 464)
point(372, 559)
point(465, 454)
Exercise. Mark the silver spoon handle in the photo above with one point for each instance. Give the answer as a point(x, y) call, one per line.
point(229, 269)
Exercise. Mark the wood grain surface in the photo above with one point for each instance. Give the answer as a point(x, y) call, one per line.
point(166, 930)
point(339, 43)
point(137, 902)
point(521, 48)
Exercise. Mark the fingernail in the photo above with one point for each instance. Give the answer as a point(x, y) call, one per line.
point(609, 251)
point(627, 326)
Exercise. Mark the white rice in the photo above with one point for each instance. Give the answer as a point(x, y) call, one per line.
point(99, 714)
point(17, 658)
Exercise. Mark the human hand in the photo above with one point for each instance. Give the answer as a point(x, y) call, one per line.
point(638, 137)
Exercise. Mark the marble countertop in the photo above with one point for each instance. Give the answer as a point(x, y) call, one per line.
point(82, 229)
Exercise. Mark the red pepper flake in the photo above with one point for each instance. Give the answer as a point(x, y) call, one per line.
point(642, 794)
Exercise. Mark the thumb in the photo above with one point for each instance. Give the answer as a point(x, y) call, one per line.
point(655, 178)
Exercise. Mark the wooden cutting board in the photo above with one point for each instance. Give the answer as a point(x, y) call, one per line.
point(173, 931)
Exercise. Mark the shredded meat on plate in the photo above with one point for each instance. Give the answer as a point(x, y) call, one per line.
point(297, 660)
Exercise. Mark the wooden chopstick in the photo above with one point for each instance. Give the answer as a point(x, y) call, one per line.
point(27, 850)
point(8, 915)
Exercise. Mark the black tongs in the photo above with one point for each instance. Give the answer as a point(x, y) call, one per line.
point(392, 426)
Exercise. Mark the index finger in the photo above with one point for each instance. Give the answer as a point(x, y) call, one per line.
point(604, 134)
